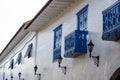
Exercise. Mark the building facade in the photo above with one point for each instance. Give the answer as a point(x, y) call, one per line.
point(66, 40)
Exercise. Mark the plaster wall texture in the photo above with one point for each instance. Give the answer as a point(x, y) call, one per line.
point(80, 68)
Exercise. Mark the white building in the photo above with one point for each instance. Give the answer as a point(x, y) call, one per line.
point(65, 28)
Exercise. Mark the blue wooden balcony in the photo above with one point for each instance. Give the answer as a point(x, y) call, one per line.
point(76, 44)
point(111, 23)
point(112, 35)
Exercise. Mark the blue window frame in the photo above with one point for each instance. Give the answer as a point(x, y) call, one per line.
point(57, 42)
point(111, 22)
point(82, 18)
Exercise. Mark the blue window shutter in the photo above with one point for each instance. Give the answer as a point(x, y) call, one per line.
point(29, 51)
point(11, 66)
point(57, 42)
point(19, 58)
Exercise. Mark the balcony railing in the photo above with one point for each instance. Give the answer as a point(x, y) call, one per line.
point(76, 43)
point(57, 53)
point(112, 35)
point(111, 22)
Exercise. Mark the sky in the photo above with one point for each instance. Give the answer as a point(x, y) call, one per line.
point(13, 13)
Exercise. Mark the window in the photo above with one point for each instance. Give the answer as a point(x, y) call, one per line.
point(111, 22)
point(11, 66)
point(29, 51)
point(57, 42)
point(19, 58)
point(82, 18)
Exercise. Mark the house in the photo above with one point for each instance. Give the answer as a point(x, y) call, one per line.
point(66, 40)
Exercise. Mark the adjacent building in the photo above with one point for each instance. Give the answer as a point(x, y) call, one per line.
point(66, 40)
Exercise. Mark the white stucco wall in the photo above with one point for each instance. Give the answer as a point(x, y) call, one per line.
point(26, 67)
point(80, 68)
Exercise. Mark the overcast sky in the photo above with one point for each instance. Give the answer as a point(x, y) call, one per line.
point(13, 13)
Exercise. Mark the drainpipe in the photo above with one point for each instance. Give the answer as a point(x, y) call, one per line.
point(36, 42)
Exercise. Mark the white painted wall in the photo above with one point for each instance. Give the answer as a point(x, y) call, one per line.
point(26, 67)
point(80, 68)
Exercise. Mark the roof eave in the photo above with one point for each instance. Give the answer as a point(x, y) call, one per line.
point(43, 8)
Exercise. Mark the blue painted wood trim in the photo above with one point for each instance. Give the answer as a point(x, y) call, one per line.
point(78, 23)
point(111, 22)
point(116, 3)
point(75, 44)
point(56, 29)
point(82, 10)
